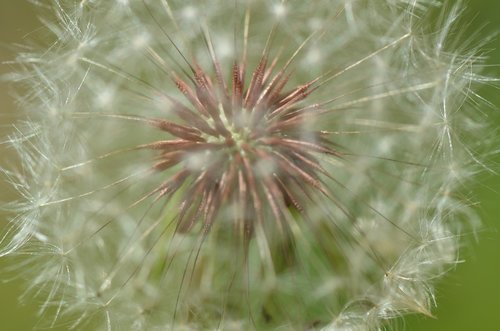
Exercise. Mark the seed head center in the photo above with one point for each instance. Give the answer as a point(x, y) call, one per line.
point(236, 134)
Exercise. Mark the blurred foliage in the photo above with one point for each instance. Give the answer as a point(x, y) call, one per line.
point(467, 297)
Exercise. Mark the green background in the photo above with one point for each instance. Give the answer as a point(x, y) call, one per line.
point(468, 298)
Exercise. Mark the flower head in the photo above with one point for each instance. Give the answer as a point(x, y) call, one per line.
point(240, 148)
point(243, 165)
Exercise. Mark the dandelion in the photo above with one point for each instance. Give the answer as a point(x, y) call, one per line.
point(243, 165)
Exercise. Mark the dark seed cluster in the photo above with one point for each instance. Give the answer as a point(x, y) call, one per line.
point(251, 145)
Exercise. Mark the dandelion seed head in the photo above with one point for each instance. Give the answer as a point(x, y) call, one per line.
point(250, 165)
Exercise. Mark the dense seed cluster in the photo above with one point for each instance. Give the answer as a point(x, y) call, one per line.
point(245, 149)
